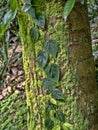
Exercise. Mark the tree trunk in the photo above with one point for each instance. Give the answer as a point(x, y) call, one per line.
point(77, 72)
point(81, 60)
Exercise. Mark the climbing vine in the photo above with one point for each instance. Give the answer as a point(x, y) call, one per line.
point(46, 58)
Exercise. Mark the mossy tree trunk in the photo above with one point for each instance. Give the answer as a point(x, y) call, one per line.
point(81, 60)
point(77, 73)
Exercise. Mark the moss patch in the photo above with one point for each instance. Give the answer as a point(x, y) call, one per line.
point(13, 113)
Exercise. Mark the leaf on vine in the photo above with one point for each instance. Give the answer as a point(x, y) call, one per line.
point(30, 10)
point(51, 47)
point(60, 116)
point(68, 8)
point(48, 85)
point(53, 72)
point(42, 58)
point(34, 33)
point(57, 94)
point(27, 1)
point(48, 108)
point(40, 21)
point(49, 124)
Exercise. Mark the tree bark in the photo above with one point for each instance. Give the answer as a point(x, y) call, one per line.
point(81, 60)
point(77, 71)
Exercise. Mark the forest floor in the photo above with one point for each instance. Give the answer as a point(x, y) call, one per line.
point(13, 109)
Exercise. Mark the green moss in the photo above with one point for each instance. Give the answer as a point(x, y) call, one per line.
point(13, 112)
point(39, 6)
point(69, 81)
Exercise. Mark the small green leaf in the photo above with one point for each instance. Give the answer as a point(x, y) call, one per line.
point(49, 107)
point(30, 10)
point(42, 58)
point(3, 29)
point(53, 72)
point(57, 94)
point(68, 8)
point(51, 47)
point(48, 85)
point(40, 21)
point(9, 16)
point(67, 126)
point(34, 33)
point(60, 116)
point(49, 124)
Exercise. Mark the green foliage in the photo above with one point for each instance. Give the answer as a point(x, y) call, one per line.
point(34, 34)
point(49, 124)
point(8, 17)
point(52, 72)
point(50, 82)
point(30, 10)
point(30, 7)
point(51, 69)
point(68, 8)
point(60, 116)
point(8, 13)
point(13, 4)
point(40, 21)
point(57, 94)
point(42, 58)
point(48, 85)
point(51, 47)
point(13, 113)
